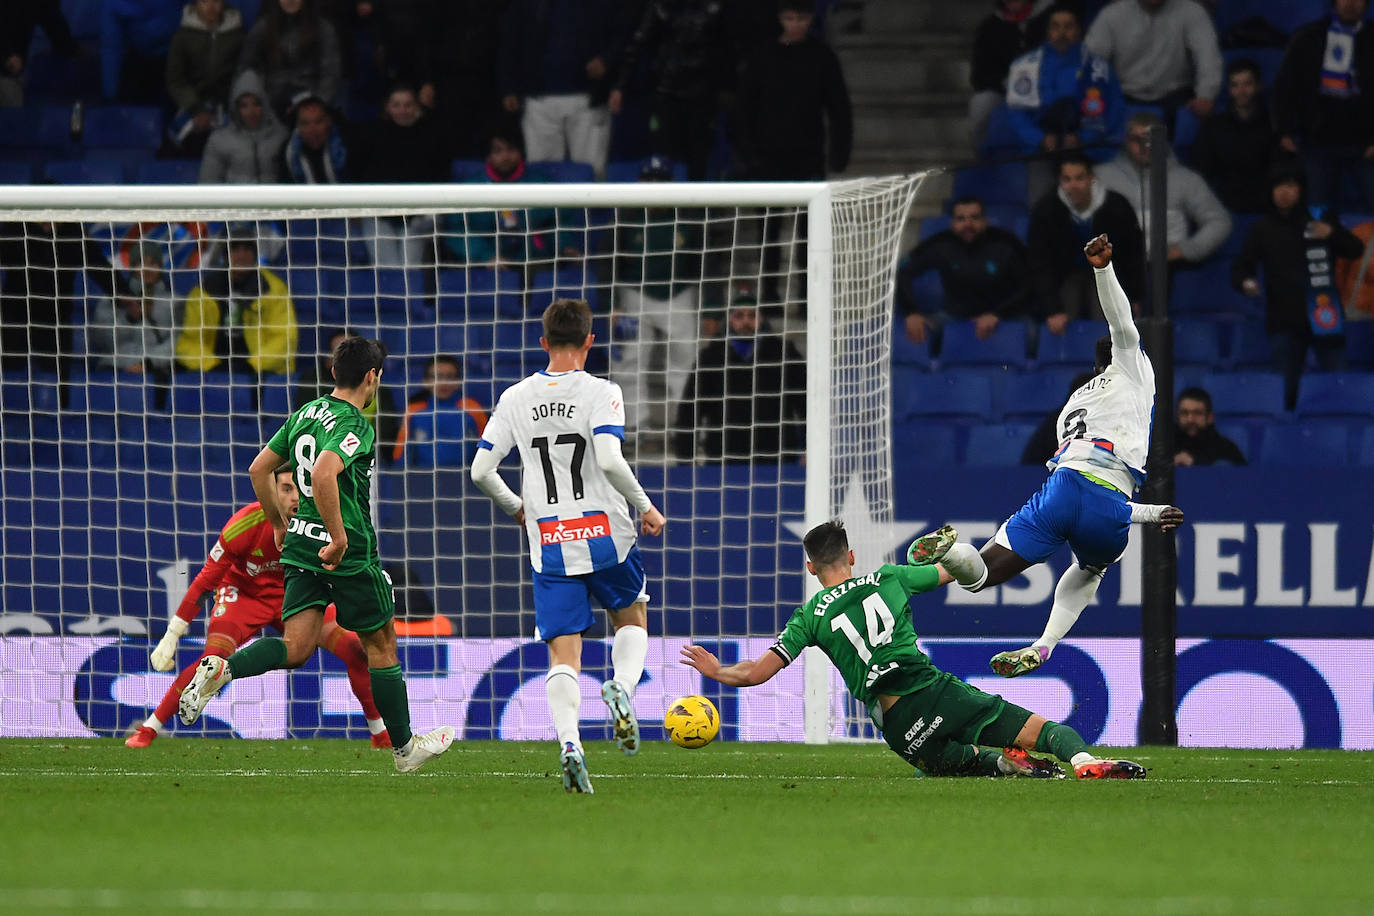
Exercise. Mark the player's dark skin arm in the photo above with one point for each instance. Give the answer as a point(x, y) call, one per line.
point(264, 488)
point(324, 479)
point(740, 674)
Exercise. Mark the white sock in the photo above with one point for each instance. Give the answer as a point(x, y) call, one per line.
point(628, 648)
point(376, 726)
point(966, 565)
point(565, 701)
point(1081, 758)
point(1071, 595)
point(154, 723)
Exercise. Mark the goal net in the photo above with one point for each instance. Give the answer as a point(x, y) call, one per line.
point(155, 338)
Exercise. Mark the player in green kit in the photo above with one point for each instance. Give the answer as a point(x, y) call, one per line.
point(329, 553)
point(931, 719)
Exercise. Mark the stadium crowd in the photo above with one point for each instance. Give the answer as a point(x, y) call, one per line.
point(1271, 166)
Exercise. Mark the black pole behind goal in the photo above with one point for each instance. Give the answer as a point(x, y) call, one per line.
point(1158, 614)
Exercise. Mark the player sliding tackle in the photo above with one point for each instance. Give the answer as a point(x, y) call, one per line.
point(582, 538)
point(1104, 435)
point(330, 553)
point(930, 718)
point(244, 572)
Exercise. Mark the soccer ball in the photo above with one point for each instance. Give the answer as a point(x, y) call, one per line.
point(692, 722)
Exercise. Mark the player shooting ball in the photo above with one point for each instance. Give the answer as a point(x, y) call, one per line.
point(244, 573)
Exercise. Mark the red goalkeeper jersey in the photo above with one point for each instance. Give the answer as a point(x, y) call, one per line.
point(245, 556)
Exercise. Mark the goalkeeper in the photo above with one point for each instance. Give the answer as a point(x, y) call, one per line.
point(244, 573)
point(930, 718)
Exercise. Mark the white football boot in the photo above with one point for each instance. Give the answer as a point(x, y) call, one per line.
point(421, 749)
point(212, 674)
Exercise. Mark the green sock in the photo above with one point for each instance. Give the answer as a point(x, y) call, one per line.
point(258, 657)
point(1061, 741)
point(389, 693)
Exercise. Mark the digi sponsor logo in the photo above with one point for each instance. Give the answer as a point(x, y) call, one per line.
point(313, 530)
point(556, 531)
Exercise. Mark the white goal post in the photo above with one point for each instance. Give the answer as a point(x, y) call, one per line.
point(78, 455)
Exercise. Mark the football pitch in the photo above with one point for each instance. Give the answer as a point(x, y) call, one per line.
point(193, 825)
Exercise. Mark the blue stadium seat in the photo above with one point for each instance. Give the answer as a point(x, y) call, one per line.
point(1207, 288)
point(1313, 442)
point(168, 171)
point(276, 396)
point(1284, 15)
point(923, 444)
point(480, 293)
point(1245, 394)
point(953, 395)
point(1185, 133)
point(122, 127)
point(1336, 394)
point(16, 173)
point(997, 445)
point(960, 346)
point(906, 353)
point(402, 293)
point(1076, 347)
point(84, 171)
point(1001, 138)
point(1359, 344)
point(465, 170)
point(1197, 341)
point(1242, 434)
point(1241, 224)
point(571, 282)
point(564, 172)
point(1005, 183)
point(1031, 397)
point(627, 170)
point(360, 286)
point(1250, 347)
point(1365, 457)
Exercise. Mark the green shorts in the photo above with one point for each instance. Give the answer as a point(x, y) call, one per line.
point(364, 601)
point(921, 724)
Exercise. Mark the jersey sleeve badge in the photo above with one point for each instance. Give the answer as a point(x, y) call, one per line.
point(350, 444)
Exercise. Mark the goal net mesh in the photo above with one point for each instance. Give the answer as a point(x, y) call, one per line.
point(150, 353)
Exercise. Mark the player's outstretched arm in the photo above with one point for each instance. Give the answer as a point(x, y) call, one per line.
point(1115, 306)
point(617, 470)
point(1166, 517)
point(740, 674)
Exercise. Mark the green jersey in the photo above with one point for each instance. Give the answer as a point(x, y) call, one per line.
point(329, 424)
point(864, 626)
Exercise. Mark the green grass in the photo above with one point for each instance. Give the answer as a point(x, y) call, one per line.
point(328, 827)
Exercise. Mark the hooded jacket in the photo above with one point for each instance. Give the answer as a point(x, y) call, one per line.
point(266, 321)
point(201, 61)
point(236, 155)
point(121, 342)
point(1195, 220)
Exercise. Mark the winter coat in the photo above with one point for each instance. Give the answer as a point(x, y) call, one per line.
point(1195, 220)
point(1234, 156)
point(236, 155)
point(286, 67)
point(441, 434)
point(987, 276)
point(1074, 77)
point(1057, 236)
point(746, 401)
point(1276, 242)
point(200, 64)
point(1156, 52)
point(596, 28)
point(332, 164)
point(395, 154)
point(1302, 111)
point(1208, 447)
point(792, 99)
point(122, 343)
point(267, 321)
point(688, 45)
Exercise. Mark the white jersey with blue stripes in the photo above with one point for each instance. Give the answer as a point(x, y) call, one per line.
point(1104, 429)
point(577, 522)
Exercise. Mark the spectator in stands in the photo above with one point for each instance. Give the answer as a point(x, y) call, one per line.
point(1297, 252)
point(687, 44)
point(982, 269)
point(1165, 53)
point(133, 332)
point(317, 152)
point(135, 36)
point(240, 316)
point(558, 61)
point(657, 299)
point(37, 290)
point(442, 425)
point(247, 150)
point(16, 34)
point(1235, 146)
point(1011, 30)
point(1324, 101)
point(1062, 97)
point(1196, 439)
point(509, 237)
point(746, 401)
point(317, 380)
point(793, 110)
point(405, 145)
point(1065, 220)
point(295, 50)
point(200, 66)
point(454, 61)
point(1044, 442)
point(1196, 222)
